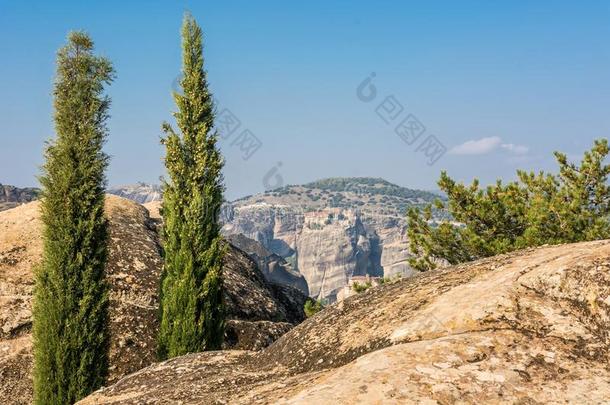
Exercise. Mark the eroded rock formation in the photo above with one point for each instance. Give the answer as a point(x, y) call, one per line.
point(274, 267)
point(327, 246)
point(332, 229)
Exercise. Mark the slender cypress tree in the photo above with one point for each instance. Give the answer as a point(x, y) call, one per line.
point(71, 294)
point(191, 310)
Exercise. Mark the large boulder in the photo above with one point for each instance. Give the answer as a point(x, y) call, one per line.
point(258, 311)
point(528, 327)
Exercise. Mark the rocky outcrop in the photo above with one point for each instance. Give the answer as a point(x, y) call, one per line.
point(11, 196)
point(393, 243)
point(249, 297)
point(274, 267)
point(275, 227)
point(258, 311)
point(253, 335)
point(528, 327)
point(133, 271)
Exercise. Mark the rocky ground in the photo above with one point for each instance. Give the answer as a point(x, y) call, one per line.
point(258, 311)
point(528, 327)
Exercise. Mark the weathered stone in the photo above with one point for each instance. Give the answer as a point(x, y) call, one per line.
point(527, 327)
point(140, 192)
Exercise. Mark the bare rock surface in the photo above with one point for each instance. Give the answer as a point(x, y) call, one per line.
point(334, 245)
point(527, 327)
point(259, 312)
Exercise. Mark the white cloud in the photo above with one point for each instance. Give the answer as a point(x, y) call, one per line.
point(486, 145)
point(477, 147)
point(516, 149)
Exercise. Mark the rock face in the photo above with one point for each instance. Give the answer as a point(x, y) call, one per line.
point(258, 312)
point(133, 271)
point(334, 246)
point(528, 327)
point(274, 267)
point(331, 230)
point(11, 196)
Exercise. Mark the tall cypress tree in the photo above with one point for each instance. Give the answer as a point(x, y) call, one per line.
point(71, 294)
point(191, 310)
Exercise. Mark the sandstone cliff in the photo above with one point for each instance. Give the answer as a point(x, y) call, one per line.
point(528, 327)
point(331, 230)
point(259, 312)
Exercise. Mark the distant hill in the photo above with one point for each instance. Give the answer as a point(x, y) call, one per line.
point(366, 194)
point(141, 193)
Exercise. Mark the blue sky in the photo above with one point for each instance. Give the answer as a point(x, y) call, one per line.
point(499, 84)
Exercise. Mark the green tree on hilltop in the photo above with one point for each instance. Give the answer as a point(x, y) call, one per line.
point(539, 208)
point(70, 309)
point(191, 310)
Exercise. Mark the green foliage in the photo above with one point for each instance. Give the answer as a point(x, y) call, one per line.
point(71, 294)
point(389, 280)
point(358, 287)
point(538, 209)
point(191, 310)
point(312, 307)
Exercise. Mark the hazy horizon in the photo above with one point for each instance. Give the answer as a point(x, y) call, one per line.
point(500, 86)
